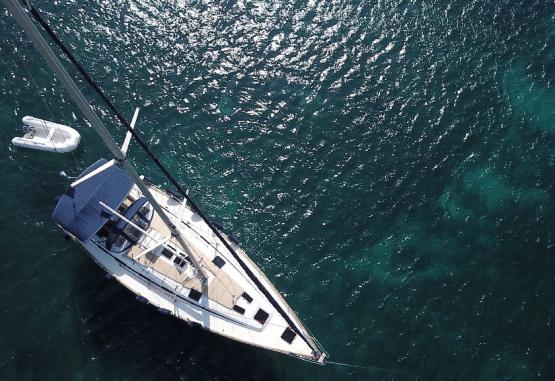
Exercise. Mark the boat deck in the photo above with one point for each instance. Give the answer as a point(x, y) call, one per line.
point(221, 287)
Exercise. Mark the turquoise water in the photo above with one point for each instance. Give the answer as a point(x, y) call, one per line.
point(389, 164)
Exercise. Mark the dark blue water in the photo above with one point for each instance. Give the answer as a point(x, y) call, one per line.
point(389, 164)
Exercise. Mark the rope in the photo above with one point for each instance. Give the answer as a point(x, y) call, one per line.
point(375, 368)
point(151, 155)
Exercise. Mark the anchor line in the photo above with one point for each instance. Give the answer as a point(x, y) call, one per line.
point(375, 368)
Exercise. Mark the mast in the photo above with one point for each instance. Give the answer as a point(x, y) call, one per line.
point(44, 50)
point(26, 24)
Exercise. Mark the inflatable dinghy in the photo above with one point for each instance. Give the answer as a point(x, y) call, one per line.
point(47, 136)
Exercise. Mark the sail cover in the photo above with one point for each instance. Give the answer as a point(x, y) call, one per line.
point(78, 210)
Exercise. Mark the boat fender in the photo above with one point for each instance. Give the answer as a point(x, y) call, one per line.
point(147, 180)
point(108, 276)
point(173, 194)
point(233, 239)
point(218, 226)
point(141, 299)
point(164, 311)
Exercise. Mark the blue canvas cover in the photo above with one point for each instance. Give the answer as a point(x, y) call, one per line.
point(78, 210)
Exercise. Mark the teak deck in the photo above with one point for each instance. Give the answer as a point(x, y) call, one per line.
point(221, 288)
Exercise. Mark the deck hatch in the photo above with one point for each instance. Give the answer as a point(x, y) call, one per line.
point(179, 261)
point(261, 316)
point(195, 294)
point(247, 297)
point(239, 309)
point(166, 253)
point(218, 261)
point(288, 335)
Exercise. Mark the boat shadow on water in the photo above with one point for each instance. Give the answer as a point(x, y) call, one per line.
point(130, 337)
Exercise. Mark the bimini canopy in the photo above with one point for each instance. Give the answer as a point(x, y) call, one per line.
point(78, 210)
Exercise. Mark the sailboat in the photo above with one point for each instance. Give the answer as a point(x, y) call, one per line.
point(157, 243)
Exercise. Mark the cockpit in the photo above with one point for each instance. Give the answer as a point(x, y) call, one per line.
point(122, 233)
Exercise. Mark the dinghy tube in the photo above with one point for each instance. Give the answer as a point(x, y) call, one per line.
point(47, 136)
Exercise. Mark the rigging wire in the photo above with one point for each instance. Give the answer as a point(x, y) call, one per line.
point(37, 16)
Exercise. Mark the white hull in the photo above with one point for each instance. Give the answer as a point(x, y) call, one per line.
point(172, 298)
point(47, 136)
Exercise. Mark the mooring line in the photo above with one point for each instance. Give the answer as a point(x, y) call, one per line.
point(360, 366)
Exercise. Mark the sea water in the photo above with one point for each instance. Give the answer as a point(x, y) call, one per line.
point(388, 164)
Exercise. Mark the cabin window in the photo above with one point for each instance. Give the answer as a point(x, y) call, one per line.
point(261, 316)
point(179, 261)
point(288, 335)
point(247, 297)
point(195, 294)
point(239, 309)
point(218, 261)
point(166, 253)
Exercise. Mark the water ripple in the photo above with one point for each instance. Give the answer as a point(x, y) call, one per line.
point(388, 163)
